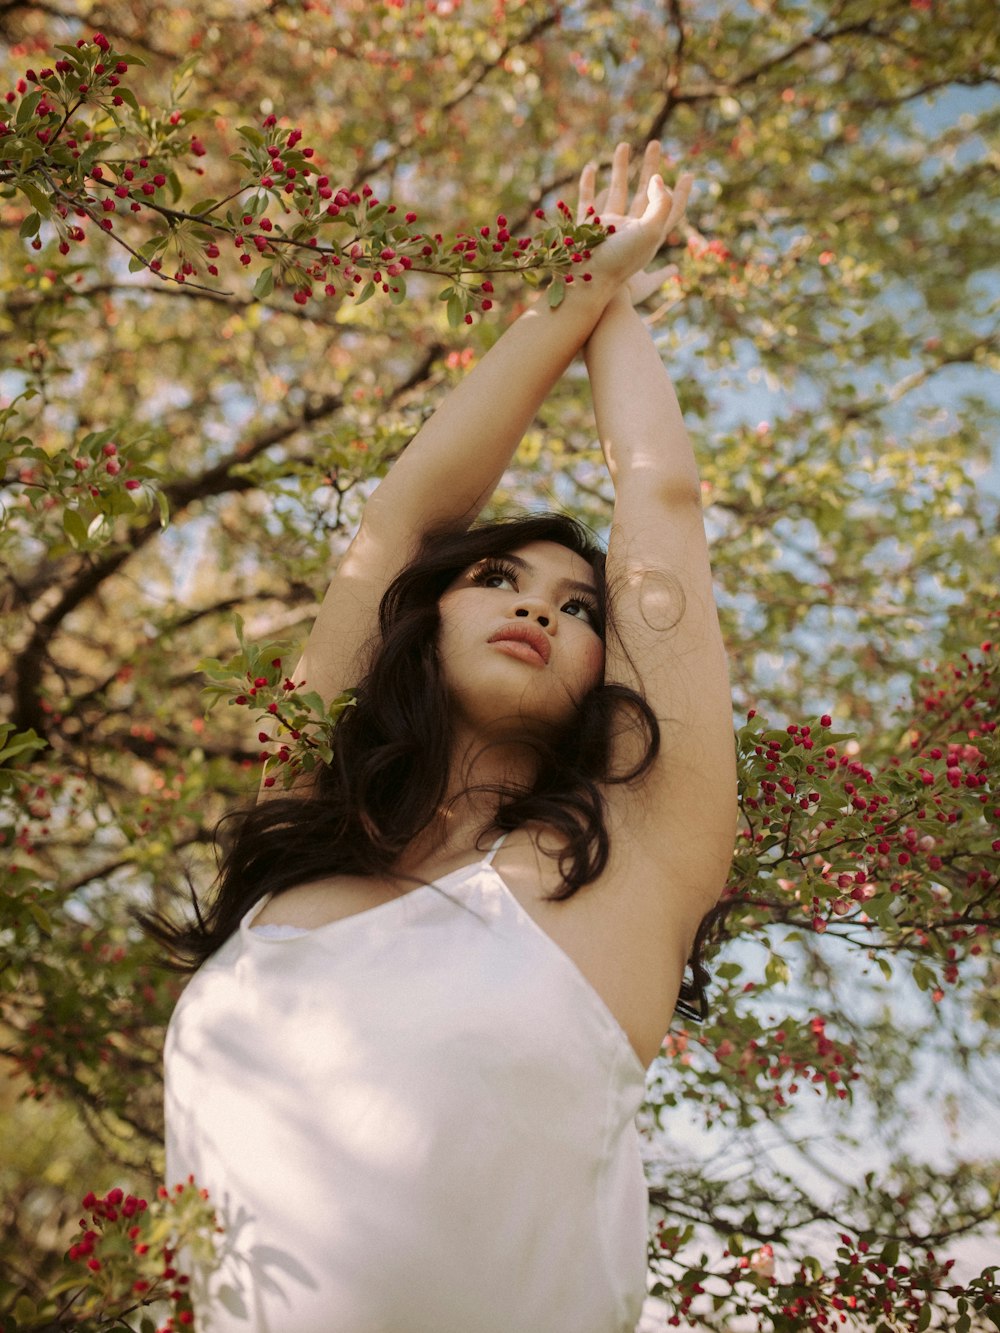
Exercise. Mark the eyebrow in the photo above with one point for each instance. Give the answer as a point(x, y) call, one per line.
point(571, 584)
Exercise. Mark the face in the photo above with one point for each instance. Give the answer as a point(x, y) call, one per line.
point(520, 638)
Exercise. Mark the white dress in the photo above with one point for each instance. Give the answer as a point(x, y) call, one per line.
point(416, 1119)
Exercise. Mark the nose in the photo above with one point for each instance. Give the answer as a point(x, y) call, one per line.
point(537, 608)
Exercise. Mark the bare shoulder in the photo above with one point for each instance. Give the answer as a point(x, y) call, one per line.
point(628, 932)
point(321, 901)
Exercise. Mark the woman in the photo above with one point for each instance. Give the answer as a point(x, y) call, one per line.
point(408, 1067)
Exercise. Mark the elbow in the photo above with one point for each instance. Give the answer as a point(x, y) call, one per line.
point(674, 490)
point(677, 491)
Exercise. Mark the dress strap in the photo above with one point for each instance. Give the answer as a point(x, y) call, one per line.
point(488, 858)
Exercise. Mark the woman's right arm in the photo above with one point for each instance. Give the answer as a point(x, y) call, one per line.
point(446, 474)
point(453, 464)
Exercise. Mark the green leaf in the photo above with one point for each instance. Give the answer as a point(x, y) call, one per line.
point(74, 527)
point(41, 918)
point(557, 293)
point(27, 108)
point(924, 1319)
point(922, 976)
point(164, 506)
point(40, 200)
point(264, 285)
point(456, 310)
point(252, 135)
point(776, 972)
point(23, 743)
point(366, 291)
point(30, 226)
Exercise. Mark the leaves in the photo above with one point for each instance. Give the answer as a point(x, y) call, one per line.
point(827, 331)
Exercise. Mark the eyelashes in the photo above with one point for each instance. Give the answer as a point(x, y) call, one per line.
point(493, 568)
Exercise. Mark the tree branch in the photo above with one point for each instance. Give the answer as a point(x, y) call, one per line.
point(216, 480)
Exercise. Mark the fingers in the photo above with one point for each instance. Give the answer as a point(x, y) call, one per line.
point(650, 165)
point(588, 179)
point(659, 276)
point(650, 192)
point(617, 201)
point(641, 286)
point(679, 201)
point(668, 206)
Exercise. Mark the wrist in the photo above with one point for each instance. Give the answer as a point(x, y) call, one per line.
point(582, 308)
point(596, 293)
point(616, 309)
point(619, 300)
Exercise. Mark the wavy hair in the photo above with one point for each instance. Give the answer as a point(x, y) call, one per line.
point(387, 778)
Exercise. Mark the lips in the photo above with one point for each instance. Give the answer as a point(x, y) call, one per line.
point(535, 638)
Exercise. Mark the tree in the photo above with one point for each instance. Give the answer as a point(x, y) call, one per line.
point(198, 398)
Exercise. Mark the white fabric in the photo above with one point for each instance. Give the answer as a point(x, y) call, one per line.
point(271, 931)
point(416, 1119)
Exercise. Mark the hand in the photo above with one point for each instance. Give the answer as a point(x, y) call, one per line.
point(640, 231)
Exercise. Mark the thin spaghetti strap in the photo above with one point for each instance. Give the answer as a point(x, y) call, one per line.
point(488, 858)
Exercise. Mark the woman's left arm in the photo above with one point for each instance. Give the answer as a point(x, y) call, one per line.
point(668, 627)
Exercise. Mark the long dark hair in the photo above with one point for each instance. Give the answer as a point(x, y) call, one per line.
point(391, 753)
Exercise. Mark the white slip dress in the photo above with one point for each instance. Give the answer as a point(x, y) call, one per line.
point(416, 1119)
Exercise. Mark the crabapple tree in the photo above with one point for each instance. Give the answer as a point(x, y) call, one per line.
point(242, 256)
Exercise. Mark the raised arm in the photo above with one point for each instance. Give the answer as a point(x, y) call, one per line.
point(683, 820)
point(453, 464)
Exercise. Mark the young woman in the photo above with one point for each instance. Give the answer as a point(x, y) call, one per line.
point(408, 1065)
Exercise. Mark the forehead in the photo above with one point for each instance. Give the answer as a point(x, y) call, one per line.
point(549, 559)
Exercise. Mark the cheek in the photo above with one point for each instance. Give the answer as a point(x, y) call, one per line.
point(593, 662)
point(454, 640)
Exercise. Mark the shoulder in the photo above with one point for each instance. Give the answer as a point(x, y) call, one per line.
point(331, 898)
point(625, 932)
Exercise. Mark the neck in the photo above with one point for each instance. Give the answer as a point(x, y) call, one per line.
point(467, 809)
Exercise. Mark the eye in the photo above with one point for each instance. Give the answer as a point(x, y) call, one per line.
point(583, 609)
point(494, 573)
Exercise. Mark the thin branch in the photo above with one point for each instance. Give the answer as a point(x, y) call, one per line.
point(464, 90)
